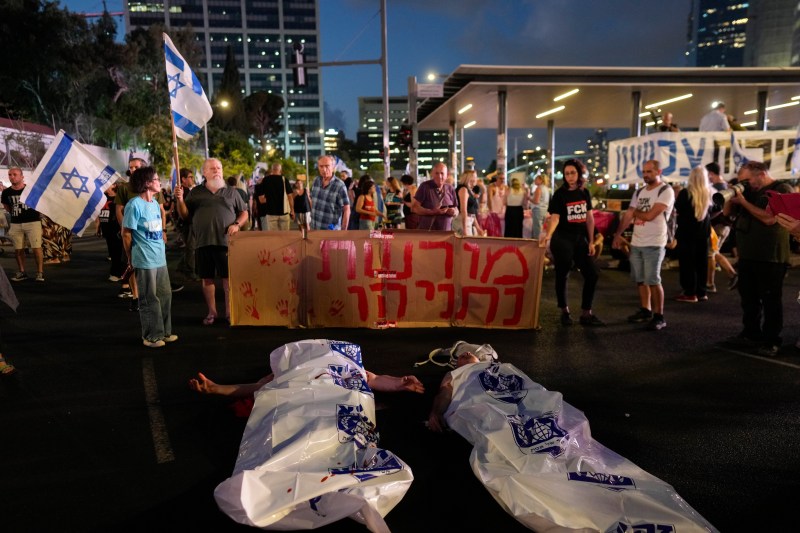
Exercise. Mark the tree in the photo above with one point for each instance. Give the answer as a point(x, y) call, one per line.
point(230, 90)
point(263, 110)
point(44, 55)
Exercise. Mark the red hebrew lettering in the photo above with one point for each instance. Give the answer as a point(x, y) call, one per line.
point(518, 293)
point(450, 289)
point(427, 286)
point(363, 305)
point(403, 295)
point(408, 251)
point(325, 247)
point(494, 298)
point(475, 256)
point(506, 279)
point(378, 288)
point(368, 253)
point(448, 251)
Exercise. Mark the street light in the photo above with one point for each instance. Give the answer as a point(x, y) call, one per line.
point(516, 151)
point(224, 105)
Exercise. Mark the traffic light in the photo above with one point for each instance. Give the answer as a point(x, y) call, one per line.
point(405, 136)
point(299, 71)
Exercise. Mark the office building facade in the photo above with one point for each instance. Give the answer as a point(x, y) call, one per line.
point(740, 33)
point(262, 35)
point(432, 146)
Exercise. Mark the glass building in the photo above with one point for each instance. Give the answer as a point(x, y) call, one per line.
point(262, 34)
point(432, 145)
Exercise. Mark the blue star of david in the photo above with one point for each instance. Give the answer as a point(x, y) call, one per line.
point(70, 187)
point(178, 84)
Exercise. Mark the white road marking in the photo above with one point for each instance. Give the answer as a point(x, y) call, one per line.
point(158, 426)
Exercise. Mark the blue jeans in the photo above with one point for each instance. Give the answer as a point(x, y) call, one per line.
point(155, 303)
point(646, 264)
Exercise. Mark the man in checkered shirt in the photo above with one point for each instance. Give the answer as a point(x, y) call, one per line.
point(330, 205)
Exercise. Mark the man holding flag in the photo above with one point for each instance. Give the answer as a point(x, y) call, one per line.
point(68, 186)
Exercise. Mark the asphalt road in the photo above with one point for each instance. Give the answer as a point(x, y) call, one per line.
point(98, 433)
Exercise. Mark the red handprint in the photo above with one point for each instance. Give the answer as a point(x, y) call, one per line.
point(252, 311)
point(290, 256)
point(283, 308)
point(336, 308)
point(246, 288)
point(292, 286)
point(265, 258)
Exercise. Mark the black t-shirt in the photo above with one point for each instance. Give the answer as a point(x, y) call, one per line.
point(572, 208)
point(275, 188)
point(19, 213)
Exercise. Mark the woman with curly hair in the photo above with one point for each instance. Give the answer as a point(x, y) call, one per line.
point(569, 232)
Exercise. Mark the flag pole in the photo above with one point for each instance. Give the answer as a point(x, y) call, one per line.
point(175, 148)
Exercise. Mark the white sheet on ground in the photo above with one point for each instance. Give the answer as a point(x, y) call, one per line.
point(536, 456)
point(309, 454)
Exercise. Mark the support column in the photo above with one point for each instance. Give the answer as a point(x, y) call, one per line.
point(502, 131)
point(451, 137)
point(551, 152)
point(636, 108)
point(413, 162)
point(761, 121)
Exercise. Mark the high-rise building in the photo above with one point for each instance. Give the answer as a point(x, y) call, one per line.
point(770, 25)
point(721, 33)
point(741, 33)
point(262, 34)
point(432, 145)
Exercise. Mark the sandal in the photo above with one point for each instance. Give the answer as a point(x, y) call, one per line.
point(6, 369)
point(209, 320)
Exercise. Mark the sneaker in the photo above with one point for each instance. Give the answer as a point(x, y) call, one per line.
point(657, 323)
point(125, 292)
point(686, 298)
point(733, 282)
point(176, 287)
point(171, 338)
point(566, 320)
point(134, 307)
point(114, 279)
point(19, 276)
point(711, 288)
point(40, 276)
point(642, 315)
point(703, 298)
point(770, 350)
point(591, 320)
point(153, 344)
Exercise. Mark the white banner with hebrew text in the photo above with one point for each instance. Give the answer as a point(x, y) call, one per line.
point(679, 152)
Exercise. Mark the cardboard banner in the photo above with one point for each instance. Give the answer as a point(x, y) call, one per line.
point(679, 152)
point(380, 279)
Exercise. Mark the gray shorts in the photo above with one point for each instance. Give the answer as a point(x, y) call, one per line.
point(646, 264)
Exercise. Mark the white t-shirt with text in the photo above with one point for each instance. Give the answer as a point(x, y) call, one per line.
point(653, 232)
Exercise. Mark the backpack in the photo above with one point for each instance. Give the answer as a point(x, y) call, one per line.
point(672, 219)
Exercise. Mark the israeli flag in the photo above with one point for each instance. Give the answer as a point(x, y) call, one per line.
point(190, 107)
point(741, 155)
point(69, 184)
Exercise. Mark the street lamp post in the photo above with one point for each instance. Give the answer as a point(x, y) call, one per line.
point(516, 151)
point(223, 104)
